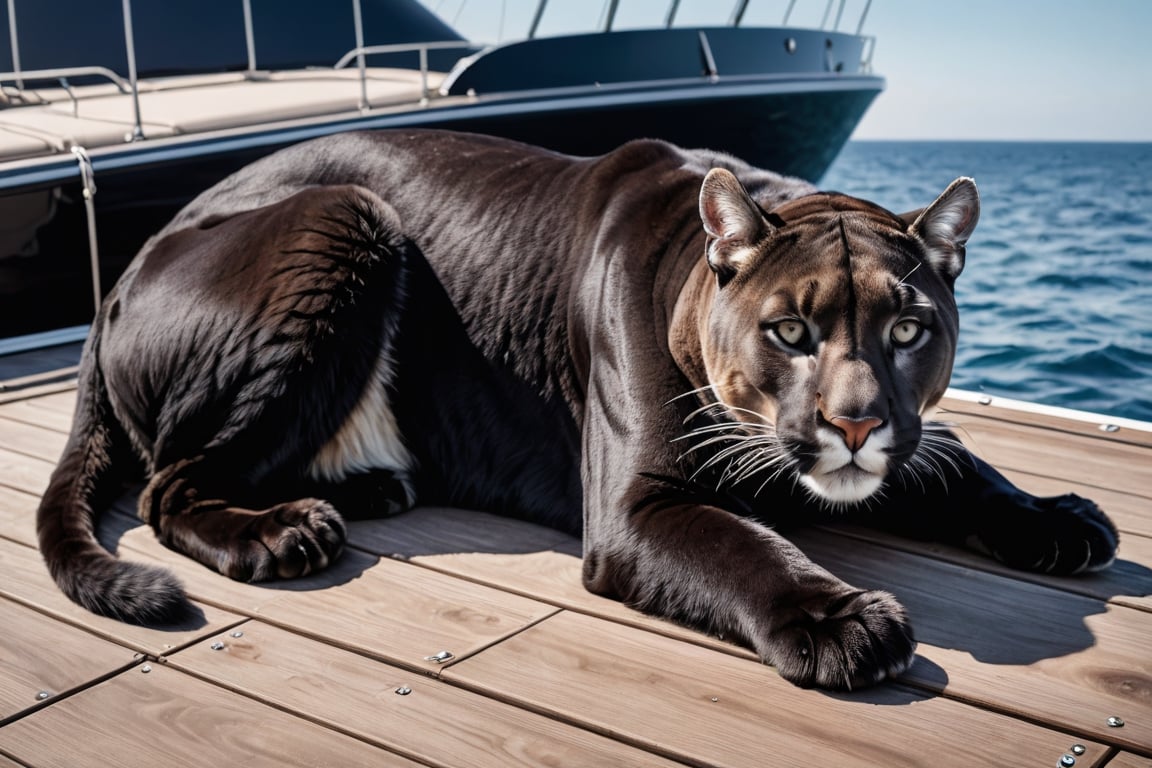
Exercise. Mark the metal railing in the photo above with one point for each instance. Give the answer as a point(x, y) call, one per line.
point(130, 86)
point(608, 17)
point(62, 74)
point(827, 12)
point(358, 53)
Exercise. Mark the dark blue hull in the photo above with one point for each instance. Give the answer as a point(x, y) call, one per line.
point(783, 99)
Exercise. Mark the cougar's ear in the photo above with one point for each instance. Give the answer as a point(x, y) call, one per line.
point(733, 221)
point(945, 226)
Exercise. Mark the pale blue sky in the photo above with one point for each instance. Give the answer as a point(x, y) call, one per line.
point(961, 69)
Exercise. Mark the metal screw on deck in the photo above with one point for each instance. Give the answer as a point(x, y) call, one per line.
point(1078, 749)
point(217, 646)
point(440, 657)
point(403, 690)
point(1066, 761)
point(42, 695)
point(1115, 722)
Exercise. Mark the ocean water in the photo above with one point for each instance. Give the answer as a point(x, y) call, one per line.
point(1056, 295)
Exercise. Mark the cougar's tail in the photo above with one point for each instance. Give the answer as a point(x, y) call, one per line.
point(87, 479)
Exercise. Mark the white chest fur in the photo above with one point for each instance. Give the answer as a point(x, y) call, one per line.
point(369, 439)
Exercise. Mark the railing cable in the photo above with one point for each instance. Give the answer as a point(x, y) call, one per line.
point(839, 15)
point(358, 20)
point(536, 19)
point(130, 48)
point(249, 37)
point(738, 13)
point(88, 186)
point(827, 11)
point(14, 37)
point(863, 15)
point(788, 12)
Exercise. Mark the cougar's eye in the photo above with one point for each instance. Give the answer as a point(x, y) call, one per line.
point(792, 332)
point(906, 332)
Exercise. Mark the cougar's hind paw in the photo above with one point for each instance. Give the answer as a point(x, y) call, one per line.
point(289, 540)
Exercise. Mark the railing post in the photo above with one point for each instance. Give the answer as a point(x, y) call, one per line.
point(788, 13)
point(15, 41)
point(612, 6)
point(671, 17)
point(709, 60)
point(839, 14)
point(358, 20)
point(738, 12)
point(423, 75)
point(863, 15)
point(536, 19)
point(88, 190)
point(827, 10)
point(130, 47)
point(249, 37)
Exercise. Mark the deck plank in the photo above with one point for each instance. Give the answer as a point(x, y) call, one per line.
point(717, 710)
point(388, 609)
point(1088, 461)
point(18, 515)
point(21, 437)
point(1017, 661)
point(509, 555)
point(1009, 622)
point(165, 717)
point(1089, 425)
point(1128, 512)
point(27, 412)
point(402, 613)
point(23, 472)
point(357, 694)
point(48, 655)
point(26, 581)
point(57, 402)
point(1045, 654)
point(1125, 582)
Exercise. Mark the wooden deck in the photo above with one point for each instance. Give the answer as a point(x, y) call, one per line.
point(333, 670)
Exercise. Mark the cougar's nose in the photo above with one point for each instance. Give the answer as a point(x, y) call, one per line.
point(855, 431)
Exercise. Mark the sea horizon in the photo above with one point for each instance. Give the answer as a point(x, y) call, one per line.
point(872, 140)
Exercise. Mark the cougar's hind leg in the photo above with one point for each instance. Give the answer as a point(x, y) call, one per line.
point(300, 388)
point(235, 531)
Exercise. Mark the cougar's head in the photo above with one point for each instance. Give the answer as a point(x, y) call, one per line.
point(830, 329)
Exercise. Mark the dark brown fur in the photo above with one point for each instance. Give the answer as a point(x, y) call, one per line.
point(633, 347)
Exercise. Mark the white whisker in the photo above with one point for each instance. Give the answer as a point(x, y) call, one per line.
point(918, 265)
point(691, 392)
point(740, 450)
point(738, 409)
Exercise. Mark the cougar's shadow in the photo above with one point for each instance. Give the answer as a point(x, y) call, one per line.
point(121, 532)
point(994, 614)
point(995, 617)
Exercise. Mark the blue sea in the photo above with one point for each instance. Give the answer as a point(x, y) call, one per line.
point(1056, 296)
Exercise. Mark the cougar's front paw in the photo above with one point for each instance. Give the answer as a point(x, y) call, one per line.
point(1061, 535)
point(850, 642)
point(288, 540)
